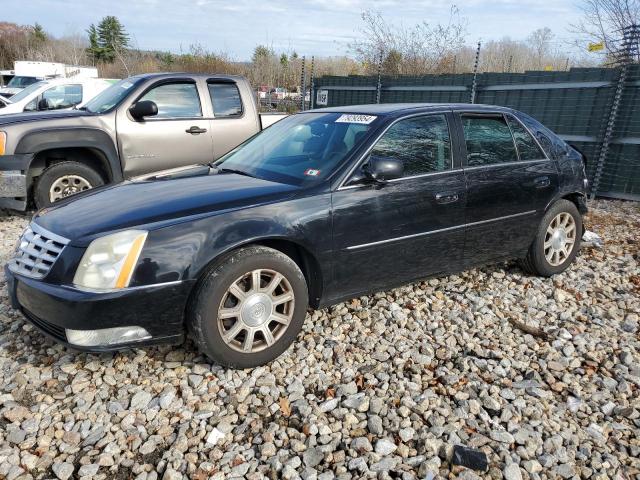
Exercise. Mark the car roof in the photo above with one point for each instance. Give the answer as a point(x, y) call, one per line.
point(403, 108)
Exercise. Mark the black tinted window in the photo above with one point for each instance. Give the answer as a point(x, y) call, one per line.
point(175, 100)
point(226, 99)
point(528, 149)
point(488, 140)
point(422, 143)
point(551, 143)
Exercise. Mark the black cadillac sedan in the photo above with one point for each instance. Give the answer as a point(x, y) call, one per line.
point(321, 207)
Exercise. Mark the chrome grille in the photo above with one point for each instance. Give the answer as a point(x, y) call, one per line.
point(37, 251)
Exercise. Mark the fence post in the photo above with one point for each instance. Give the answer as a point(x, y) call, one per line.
point(379, 85)
point(312, 86)
point(303, 82)
point(474, 83)
point(629, 44)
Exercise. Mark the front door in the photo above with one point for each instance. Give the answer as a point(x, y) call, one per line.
point(510, 181)
point(178, 135)
point(409, 228)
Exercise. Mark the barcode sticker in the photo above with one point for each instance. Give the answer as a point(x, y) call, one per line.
point(353, 118)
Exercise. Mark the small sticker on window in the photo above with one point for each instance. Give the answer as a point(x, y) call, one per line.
point(126, 85)
point(353, 118)
point(312, 172)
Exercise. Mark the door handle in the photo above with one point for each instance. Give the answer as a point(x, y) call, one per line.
point(542, 182)
point(444, 198)
point(195, 130)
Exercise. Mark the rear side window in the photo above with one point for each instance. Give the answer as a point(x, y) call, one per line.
point(488, 140)
point(422, 143)
point(528, 149)
point(551, 143)
point(175, 100)
point(225, 98)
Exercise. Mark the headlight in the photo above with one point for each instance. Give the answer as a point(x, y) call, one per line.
point(3, 142)
point(109, 261)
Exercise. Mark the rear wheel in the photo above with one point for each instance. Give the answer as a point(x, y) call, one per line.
point(557, 242)
point(64, 179)
point(249, 308)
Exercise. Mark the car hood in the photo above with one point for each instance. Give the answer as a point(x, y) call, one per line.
point(141, 203)
point(44, 115)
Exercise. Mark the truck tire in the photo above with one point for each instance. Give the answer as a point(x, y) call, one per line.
point(249, 307)
point(557, 241)
point(64, 179)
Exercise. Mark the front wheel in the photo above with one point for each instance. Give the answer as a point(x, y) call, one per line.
point(249, 308)
point(64, 179)
point(557, 241)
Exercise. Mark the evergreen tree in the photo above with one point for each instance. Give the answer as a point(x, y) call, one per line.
point(38, 33)
point(93, 51)
point(107, 39)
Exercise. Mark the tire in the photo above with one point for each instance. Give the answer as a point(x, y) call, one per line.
point(537, 260)
point(213, 295)
point(78, 175)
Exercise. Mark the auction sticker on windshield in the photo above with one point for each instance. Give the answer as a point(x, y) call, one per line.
point(353, 118)
point(312, 172)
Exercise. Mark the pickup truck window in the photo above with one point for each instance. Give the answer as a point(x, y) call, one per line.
point(300, 149)
point(112, 96)
point(422, 143)
point(175, 100)
point(225, 98)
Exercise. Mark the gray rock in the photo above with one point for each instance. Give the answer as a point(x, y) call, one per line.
point(385, 447)
point(62, 470)
point(312, 457)
point(512, 472)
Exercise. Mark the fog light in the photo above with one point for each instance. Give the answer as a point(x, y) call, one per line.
point(106, 336)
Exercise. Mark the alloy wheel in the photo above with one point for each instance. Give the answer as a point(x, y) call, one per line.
point(559, 239)
point(256, 310)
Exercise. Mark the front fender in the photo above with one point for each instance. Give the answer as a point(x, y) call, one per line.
point(73, 137)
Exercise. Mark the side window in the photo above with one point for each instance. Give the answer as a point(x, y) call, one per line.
point(422, 143)
point(226, 100)
point(175, 100)
point(551, 143)
point(488, 140)
point(62, 96)
point(528, 149)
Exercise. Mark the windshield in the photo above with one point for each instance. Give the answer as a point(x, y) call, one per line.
point(21, 82)
point(300, 149)
point(24, 93)
point(112, 96)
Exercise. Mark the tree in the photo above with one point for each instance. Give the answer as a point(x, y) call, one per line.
point(108, 40)
point(603, 21)
point(540, 42)
point(423, 48)
point(38, 34)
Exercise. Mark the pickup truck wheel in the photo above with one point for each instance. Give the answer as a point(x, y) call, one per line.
point(249, 308)
point(557, 241)
point(64, 179)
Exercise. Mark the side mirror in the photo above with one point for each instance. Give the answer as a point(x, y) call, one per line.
point(381, 169)
point(144, 108)
point(43, 104)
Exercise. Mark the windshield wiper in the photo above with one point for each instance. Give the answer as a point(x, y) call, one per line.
point(232, 170)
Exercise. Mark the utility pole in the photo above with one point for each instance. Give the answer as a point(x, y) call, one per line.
point(474, 84)
point(629, 50)
point(311, 88)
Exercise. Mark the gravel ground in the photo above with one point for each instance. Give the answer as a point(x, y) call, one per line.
point(383, 386)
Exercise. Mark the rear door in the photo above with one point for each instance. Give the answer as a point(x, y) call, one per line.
point(510, 181)
point(178, 135)
point(234, 121)
point(408, 228)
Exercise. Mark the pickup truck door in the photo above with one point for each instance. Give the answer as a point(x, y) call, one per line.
point(235, 117)
point(178, 135)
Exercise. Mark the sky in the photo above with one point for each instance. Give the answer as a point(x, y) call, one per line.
point(310, 27)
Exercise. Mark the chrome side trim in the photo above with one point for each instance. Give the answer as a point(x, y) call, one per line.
point(432, 232)
point(506, 164)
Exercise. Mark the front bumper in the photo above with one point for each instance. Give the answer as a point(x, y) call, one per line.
point(53, 308)
point(14, 181)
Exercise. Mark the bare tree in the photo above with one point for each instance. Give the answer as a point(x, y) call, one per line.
point(603, 21)
point(422, 48)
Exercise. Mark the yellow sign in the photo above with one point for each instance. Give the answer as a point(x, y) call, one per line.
point(596, 47)
point(548, 68)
